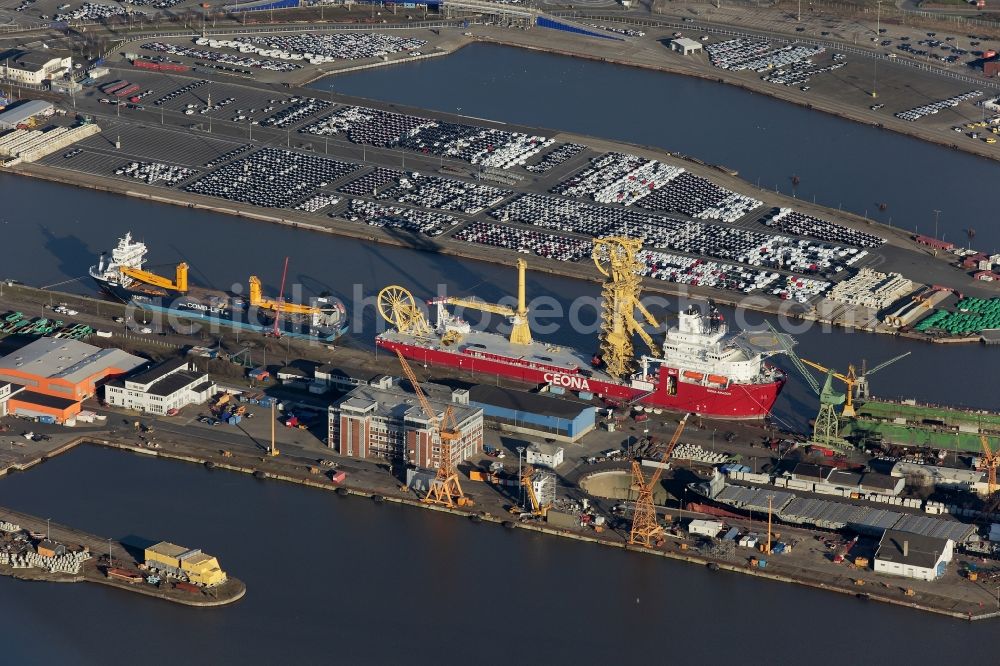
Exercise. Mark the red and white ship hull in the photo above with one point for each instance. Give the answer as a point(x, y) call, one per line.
point(669, 390)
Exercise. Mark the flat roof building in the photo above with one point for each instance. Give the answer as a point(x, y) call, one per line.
point(913, 555)
point(58, 374)
point(533, 413)
point(387, 421)
point(166, 387)
point(685, 46)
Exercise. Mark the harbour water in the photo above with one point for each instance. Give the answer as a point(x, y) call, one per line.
point(59, 249)
point(334, 579)
point(342, 580)
point(839, 162)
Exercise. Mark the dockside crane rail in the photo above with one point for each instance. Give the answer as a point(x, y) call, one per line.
point(646, 529)
point(445, 489)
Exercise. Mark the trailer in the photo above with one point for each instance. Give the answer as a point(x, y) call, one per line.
point(128, 90)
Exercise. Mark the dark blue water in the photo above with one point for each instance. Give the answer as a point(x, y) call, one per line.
point(343, 581)
point(839, 163)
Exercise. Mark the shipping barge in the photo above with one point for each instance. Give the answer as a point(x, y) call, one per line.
point(123, 278)
point(698, 368)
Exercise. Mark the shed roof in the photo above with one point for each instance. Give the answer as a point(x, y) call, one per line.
point(523, 401)
point(921, 551)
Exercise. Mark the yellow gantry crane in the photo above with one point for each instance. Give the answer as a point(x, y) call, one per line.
point(989, 462)
point(857, 384)
point(646, 529)
point(445, 489)
point(180, 283)
point(615, 258)
point(520, 332)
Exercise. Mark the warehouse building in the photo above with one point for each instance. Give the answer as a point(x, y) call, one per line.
point(22, 113)
point(35, 67)
point(913, 555)
point(162, 389)
point(58, 374)
point(533, 413)
point(385, 420)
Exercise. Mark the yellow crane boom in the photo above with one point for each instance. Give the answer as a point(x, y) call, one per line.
point(520, 332)
point(180, 282)
point(646, 529)
point(257, 300)
point(445, 488)
point(850, 380)
point(989, 462)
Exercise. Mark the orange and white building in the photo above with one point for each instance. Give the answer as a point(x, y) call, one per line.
point(57, 375)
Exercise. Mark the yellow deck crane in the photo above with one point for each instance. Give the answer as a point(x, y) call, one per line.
point(257, 300)
point(520, 332)
point(857, 384)
point(646, 529)
point(398, 307)
point(615, 258)
point(989, 462)
point(444, 490)
point(180, 283)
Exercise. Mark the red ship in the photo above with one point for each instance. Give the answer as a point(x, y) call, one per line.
point(701, 368)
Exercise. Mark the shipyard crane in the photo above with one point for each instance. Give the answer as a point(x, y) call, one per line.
point(445, 489)
point(398, 307)
point(615, 258)
point(989, 462)
point(861, 380)
point(646, 529)
point(278, 306)
point(520, 332)
point(826, 429)
point(857, 384)
point(537, 509)
point(180, 283)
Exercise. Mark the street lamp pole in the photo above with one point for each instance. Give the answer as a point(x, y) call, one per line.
point(520, 492)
